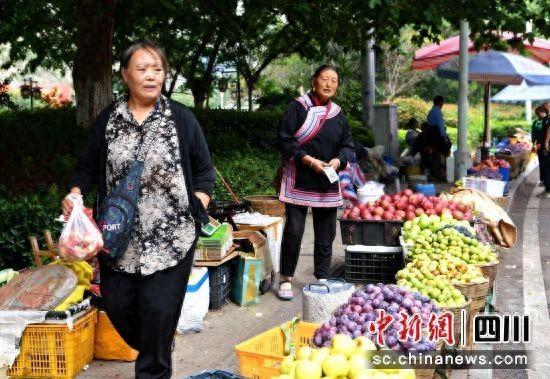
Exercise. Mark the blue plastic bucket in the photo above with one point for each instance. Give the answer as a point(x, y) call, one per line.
point(426, 189)
point(505, 172)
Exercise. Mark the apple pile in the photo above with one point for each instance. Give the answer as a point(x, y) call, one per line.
point(406, 205)
point(439, 243)
point(346, 358)
point(352, 319)
point(439, 288)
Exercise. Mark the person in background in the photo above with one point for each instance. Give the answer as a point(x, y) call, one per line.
point(537, 138)
point(435, 116)
point(545, 147)
point(442, 144)
point(314, 136)
point(143, 290)
point(412, 132)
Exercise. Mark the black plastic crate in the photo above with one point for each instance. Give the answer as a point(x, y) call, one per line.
point(373, 264)
point(370, 232)
point(220, 285)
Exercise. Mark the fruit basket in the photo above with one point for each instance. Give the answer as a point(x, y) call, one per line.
point(457, 313)
point(51, 350)
point(260, 356)
point(516, 162)
point(489, 270)
point(266, 204)
point(370, 232)
point(476, 292)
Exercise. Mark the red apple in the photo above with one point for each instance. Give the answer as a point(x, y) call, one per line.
point(387, 216)
point(411, 208)
point(376, 217)
point(407, 192)
point(439, 208)
point(430, 211)
point(364, 214)
point(458, 215)
point(461, 207)
point(427, 204)
point(452, 205)
point(379, 211)
point(384, 203)
point(361, 206)
point(385, 197)
point(410, 216)
point(390, 208)
point(400, 213)
point(419, 211)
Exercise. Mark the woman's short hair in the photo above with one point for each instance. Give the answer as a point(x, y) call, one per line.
point(411, 123)
point(438, 100)
point(324, 67)
point(149, 46)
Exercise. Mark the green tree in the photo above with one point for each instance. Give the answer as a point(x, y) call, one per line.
point(61, 33)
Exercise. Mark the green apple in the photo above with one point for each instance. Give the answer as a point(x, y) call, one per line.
point(357, 363)
point(306, 369)
point(364, 345)
point(343, 344)
point(286, 364)
point(336, 365)
point(304, 352)
point(319, 355)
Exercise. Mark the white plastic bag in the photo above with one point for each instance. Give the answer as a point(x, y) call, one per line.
point(196, 302)
point(80, 239)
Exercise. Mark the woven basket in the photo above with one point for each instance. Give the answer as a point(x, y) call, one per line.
point(267, 205)
point(473, 290)
point(489, 271)
point(457, 312)
point(478, 305)
point(424, 373)
point(516, 163)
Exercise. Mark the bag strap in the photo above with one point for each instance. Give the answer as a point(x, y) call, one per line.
point(148, 140)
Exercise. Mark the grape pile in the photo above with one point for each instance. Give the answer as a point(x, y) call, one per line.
point(353, 318)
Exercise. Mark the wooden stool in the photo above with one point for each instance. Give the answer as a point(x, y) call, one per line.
point(51, 252)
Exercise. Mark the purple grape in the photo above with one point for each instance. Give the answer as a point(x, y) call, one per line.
point(318, 341)
point(332, 321)
point(356, 333)
point(367, 308)
point(407, 303)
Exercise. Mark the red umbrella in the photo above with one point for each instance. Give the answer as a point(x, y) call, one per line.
point(429, 57)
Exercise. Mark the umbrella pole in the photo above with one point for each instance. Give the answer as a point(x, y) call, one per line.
point(486, 128)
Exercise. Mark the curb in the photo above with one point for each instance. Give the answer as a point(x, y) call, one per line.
point(517, 183)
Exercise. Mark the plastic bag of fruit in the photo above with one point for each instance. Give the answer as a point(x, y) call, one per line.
point(80, 239)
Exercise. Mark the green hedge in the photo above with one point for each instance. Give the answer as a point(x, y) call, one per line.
point(25, 216)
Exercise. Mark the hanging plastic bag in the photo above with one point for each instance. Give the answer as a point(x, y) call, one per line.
point(80, 239)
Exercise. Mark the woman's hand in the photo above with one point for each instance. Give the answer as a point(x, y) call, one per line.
point(67, 204)
point(315, 164)
point(204, 198)
point(335, 163)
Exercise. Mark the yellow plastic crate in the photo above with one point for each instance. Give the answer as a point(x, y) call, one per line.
point(260, 356)
point(52, 351)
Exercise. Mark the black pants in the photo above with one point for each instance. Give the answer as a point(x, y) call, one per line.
point(324, 228)
point(542, 165)
point(545, 169)
point(145, 311)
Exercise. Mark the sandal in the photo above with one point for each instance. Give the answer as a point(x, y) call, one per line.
point(285, 291)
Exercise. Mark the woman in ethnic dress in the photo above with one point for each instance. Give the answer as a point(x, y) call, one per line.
point(314, 135)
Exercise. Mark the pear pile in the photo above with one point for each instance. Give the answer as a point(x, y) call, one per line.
point(345, 358)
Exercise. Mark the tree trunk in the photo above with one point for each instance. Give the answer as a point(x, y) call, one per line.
point(199, 96)
point(250, 89)
point(92, 62)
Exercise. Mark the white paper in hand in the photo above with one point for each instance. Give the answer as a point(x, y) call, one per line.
point(331, 174)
